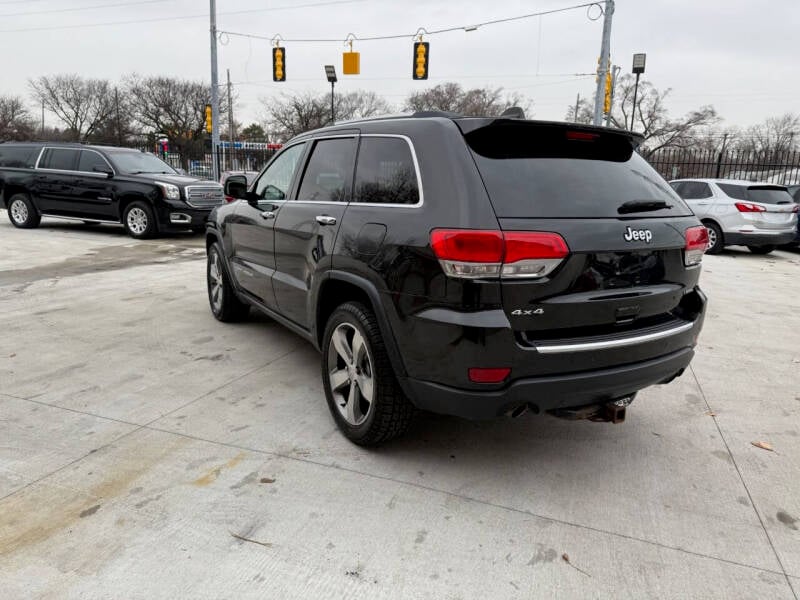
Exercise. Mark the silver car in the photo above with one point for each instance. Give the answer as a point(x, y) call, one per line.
point(760, 216)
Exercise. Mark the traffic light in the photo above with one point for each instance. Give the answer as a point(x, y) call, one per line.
point(279, 63)
point(209, 122)
point(607, 98)
point(420, 66)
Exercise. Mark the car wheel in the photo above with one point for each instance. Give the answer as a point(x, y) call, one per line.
point(761, 249)
point(716, 242)
point(225, 306)
point(22, 213)
point(139, 220)
point(363, 394)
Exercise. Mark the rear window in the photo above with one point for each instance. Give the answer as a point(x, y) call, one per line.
point(18, 157)
point(769, 195)
point(550, 171)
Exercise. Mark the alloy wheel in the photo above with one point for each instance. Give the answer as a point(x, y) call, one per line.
point(215, 282)
point(351, 374)
point(712, 237)
point(137, 220)
point(19, 212)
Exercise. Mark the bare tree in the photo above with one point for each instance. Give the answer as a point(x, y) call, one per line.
point(172, 107)
point(16, 122)
point(585, 112)
point(451, 97)
point(83, 105)
point(292, 114)
point(775, 136)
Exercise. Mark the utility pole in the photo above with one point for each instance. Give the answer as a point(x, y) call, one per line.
point(230, 120)
point(605, 60)
point(214, 94)
point(42, 119)
point(577, 104)
point(116, 107)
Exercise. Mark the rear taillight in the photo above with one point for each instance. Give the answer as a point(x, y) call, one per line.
point(696, 244)
point(796, 208)
point(229, 198)
point(749, 207)
point(475, 254)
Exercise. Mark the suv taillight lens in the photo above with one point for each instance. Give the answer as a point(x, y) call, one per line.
point(474, 254)
point(696, 244)
point(749, 207)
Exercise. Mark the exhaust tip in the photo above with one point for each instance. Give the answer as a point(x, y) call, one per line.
point(517, 411)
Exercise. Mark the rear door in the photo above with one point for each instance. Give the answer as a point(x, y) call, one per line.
point(623, 225)
point(55, 181)
point(699, 196)
point(306, 227)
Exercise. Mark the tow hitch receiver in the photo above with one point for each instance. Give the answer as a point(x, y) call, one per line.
point(612, 411)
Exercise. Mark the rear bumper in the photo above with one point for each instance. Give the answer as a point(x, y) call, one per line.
point(765, 238)
point(546, 393)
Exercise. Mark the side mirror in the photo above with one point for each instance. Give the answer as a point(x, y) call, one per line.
point(107, 170)
point(236, 186)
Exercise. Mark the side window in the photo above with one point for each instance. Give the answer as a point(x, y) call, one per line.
point(62, 159)
point(739, 192)
point(385, 172)
point(678, 187)
point(90, 161)
point(18, 157)
point(274, 183)
point(329, 171)
point(695, 190)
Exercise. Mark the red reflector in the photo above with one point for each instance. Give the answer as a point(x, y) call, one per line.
point(748, 207)
point(467, 245)
point(532, 245)
point(582, 136)
point(478, 375)
point(696, 238)
point(229, 198)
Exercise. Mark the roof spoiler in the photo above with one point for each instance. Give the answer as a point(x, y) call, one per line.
point(513, 112)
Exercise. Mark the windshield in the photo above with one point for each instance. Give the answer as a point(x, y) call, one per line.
point(132, 163)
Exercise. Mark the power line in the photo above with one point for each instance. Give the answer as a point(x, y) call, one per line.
point(179, 18)
point(421, 30)
point(80, 8)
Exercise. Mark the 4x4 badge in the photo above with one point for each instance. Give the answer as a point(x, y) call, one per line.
point(520, 312)
point(638, 235)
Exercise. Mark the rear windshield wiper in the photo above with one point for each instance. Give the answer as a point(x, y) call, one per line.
point(642, 206)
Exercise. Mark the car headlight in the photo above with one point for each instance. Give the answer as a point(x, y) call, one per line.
point(171, 192)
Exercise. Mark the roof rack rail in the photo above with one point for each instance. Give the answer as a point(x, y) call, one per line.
point(421, 114)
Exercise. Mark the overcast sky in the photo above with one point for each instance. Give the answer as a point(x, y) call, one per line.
point(741, 57)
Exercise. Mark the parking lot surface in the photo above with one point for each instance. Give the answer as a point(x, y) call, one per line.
point(149, 451)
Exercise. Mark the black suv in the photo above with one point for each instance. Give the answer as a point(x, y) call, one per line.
point(100, 184)
point(469, 266)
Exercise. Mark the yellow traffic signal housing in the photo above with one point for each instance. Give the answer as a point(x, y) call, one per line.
point(279, 63)
point(209, 122)
point(351, 63)
point(607, 98)
point(420, 67)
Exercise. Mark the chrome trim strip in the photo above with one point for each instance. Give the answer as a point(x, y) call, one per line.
point(49, 216)
point(618, 343)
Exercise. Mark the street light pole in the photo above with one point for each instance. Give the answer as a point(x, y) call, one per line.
point(214, 94)
point(330, 73)
point(638, 68)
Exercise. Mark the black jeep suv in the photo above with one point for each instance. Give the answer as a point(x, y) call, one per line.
point(469, 266)
point(101, 184)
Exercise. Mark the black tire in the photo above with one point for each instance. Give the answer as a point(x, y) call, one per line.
point(761, 249)
point(715, 235)
point(22, 213)
point(139, 221)
point(225, 305)
point(389, 412)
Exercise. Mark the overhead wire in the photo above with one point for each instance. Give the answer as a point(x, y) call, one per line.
point(178, 17)
point(50, 11)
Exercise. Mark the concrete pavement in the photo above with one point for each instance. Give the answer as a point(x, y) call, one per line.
point(148, 451)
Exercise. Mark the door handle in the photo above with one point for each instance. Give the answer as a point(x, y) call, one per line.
point(267, 214)
point(326, 220)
